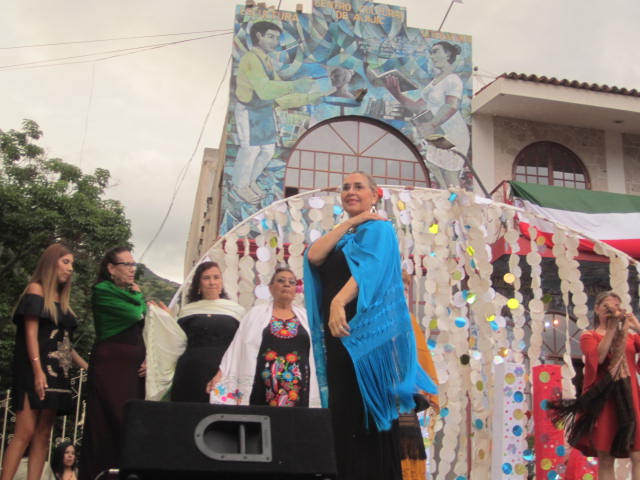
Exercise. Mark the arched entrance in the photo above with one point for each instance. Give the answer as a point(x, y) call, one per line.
point(332, 148)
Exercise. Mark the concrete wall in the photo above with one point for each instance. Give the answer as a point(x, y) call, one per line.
point(631, 155)
point(204, 219)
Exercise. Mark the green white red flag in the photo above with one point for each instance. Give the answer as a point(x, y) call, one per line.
point(612, 218)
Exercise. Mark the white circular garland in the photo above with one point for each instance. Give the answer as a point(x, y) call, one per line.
point(444, 239)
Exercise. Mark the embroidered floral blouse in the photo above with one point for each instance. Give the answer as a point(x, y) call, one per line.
point(282, 367)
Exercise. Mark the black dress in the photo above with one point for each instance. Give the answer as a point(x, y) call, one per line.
point(282, 366)
point(54, 342)
point(361, 452)
point(208, 337)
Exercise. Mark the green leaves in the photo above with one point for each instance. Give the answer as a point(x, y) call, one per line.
point(43, 201)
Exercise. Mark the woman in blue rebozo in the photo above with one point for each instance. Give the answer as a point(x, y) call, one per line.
point(363, 340)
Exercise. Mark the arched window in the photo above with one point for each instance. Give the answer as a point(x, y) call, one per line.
point(330, 149)
point(550, 163)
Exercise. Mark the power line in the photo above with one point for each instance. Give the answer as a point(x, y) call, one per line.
point(116, 53)
point(183, 173)
point(80, 42)
point(94, 60)
point(86, 117)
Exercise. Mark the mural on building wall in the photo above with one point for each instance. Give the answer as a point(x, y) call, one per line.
point(292, 70)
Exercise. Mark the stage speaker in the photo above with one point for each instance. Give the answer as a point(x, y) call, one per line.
point(176, 440)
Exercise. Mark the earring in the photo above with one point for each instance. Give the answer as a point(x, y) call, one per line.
point(373, 209)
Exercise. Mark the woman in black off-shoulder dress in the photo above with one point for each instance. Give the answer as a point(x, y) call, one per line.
point(42, 359)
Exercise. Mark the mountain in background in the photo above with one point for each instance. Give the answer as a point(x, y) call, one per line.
point(155, 287)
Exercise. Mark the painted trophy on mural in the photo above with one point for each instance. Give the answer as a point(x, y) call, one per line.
point(293, 70)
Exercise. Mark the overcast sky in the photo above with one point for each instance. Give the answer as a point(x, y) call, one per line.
point(140, 115)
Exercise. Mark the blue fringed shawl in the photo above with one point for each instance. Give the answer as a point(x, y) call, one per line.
point(381, 344)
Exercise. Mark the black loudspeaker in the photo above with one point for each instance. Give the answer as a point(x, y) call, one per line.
point(176, 440)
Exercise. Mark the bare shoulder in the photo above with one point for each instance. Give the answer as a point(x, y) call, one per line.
point(35, 289)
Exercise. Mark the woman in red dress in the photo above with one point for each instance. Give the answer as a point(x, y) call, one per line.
point(611, 386)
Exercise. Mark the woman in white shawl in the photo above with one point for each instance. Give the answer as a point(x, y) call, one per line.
point(269, 361)
point(195, 344)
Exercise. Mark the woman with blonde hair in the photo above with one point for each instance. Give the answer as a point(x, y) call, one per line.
point(42, 359)
point(361, 330)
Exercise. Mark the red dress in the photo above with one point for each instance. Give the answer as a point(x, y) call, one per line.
point(607, 423)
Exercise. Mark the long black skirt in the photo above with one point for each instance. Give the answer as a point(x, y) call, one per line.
point(113, 380)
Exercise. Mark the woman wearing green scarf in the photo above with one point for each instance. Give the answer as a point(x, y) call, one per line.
point(117, 364)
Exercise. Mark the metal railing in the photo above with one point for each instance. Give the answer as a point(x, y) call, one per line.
point(65, 428)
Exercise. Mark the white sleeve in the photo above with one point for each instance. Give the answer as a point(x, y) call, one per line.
point(452, 86)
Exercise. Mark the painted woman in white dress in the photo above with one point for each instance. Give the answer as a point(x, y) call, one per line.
point(437, 117)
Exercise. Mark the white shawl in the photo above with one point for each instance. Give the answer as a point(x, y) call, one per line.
point(165, 340)
point(238, 366)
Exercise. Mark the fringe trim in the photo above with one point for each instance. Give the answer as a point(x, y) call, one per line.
point(387, 378)
point(413, 469)
point(621, 444)
point(411, 442)
point(579, 416)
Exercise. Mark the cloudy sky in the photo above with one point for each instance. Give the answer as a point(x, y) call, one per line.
point(140, 115)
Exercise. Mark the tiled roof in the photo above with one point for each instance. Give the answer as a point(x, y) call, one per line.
point(571, 83)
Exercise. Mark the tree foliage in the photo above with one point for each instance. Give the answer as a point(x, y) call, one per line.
point(45, 200)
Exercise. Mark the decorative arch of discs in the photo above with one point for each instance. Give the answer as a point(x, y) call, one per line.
point(444, 238)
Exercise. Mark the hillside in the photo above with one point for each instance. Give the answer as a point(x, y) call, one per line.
point(155, 287)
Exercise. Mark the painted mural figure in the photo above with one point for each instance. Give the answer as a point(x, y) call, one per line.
point(340, 78)
point(258, 90)
point(437, 117)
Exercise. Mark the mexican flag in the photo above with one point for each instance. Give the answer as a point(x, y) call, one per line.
point(612, 218)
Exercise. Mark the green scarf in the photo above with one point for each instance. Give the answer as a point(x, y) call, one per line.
point(115, 309)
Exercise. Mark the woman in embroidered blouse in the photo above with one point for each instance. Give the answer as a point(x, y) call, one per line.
point(269, 361)
point(437, 116)
point(608, 417)
point(117, 360)
point(42, 358)
point(359, 317)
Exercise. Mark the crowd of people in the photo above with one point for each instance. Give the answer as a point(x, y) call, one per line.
point(354, 349)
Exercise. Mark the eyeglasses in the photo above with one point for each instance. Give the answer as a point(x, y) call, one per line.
point(283, 281)
point(127, 264)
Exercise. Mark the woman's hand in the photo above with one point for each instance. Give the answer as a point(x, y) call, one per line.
point(612, 321)
point(142, 370)
point(160, 304)
point(320, 249)
point(212, 383)
point(363, 217)
point(338, 324)
point(40, 383)
point(631, 321)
